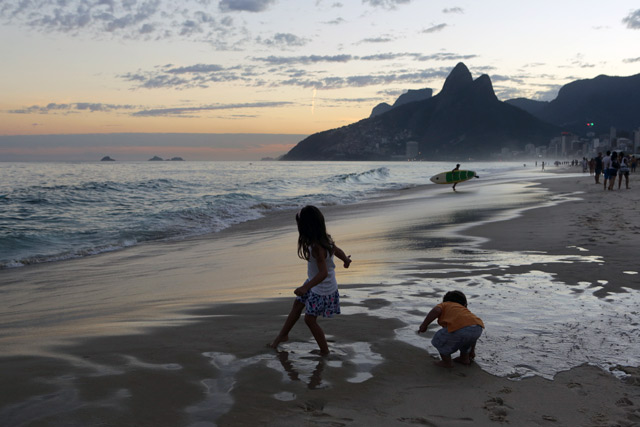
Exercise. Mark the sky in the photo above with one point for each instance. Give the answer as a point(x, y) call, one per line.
point(286, 68)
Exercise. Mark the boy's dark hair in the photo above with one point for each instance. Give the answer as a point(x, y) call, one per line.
point(455, 296)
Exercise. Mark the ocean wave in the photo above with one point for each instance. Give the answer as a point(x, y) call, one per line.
point(373, 175)
point(53, 212)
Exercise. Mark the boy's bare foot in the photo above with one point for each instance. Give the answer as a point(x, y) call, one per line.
point(278, 340)
point(463, 360)
point(443, 364)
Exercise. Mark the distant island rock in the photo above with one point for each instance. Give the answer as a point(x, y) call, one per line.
point(176, 159)
point(107, 159)
point(156, 159)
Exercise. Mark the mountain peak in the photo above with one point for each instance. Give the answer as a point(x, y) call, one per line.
point(482, 86)
point(459, 78)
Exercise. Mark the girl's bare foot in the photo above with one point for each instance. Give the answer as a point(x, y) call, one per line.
point(278, 340)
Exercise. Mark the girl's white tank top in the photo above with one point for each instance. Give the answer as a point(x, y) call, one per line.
point(329, 285)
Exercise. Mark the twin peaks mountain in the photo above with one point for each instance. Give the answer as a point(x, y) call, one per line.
point(464, 120)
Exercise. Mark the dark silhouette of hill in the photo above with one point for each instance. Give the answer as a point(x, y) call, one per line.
point(529, 105)
point(410, 96)
point(465, 120)
point(604, 101)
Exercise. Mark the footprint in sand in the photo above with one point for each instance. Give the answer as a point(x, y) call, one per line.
point(496, 409)
point(624, 402)
point(577, 387)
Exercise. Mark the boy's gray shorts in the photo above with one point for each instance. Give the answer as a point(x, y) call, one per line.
point(463, 339)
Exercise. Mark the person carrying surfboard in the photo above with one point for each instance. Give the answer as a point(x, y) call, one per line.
point(457, 168)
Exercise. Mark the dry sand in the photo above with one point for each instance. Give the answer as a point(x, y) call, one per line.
point(215, 370)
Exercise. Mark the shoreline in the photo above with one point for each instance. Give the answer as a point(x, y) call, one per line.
point(212, 368)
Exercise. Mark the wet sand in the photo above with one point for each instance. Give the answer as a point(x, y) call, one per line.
point(151, 363)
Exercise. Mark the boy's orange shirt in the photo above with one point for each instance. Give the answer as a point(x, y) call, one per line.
point(456, 316)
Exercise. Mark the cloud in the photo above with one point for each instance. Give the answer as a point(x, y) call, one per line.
point(445, 56)
point(245, 5)
point(631, 60)
point(72, 108)
point(435, 28)
point(193, 76)
point(284, 39)
point(281, 71)
point(189, 111)
point(387, 4)
point(336, 21)
point(198, 68)
point(377, 40)
point(633, 20)
point(311, 59)
point(132, 19)
point(453, 10)
point(337, 82)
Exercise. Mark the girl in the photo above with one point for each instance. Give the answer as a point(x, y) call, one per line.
point(319, 293)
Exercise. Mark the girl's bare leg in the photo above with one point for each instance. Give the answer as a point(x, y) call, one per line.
point(318, 333)
point(292, 318)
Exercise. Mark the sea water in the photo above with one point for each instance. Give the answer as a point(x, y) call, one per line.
point(57, 211)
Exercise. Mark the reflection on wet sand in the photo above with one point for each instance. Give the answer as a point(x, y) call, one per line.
point(537, 324)
point(297, 364)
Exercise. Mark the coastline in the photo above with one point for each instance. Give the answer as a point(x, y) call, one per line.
point(211, 367)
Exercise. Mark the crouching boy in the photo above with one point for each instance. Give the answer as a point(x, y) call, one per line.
point(460, 329)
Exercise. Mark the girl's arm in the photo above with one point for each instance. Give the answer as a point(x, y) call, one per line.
point(320, 254)
point(346, 259)
point(433, 315)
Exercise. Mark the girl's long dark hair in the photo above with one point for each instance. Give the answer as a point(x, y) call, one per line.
point(312, 231)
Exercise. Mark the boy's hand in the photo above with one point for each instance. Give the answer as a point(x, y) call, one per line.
point(423, 328)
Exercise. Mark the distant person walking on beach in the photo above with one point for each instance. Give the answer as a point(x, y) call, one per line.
point(457, 168)
point(606, 167)
point(543, 166)
point(613, 170)
point(623, 171)
point(460, 329)
point(319, 293)
point(598, 167)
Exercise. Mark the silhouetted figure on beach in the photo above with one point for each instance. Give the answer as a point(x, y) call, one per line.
point(613, 170)
point(598, 167)
point(457, 168)
point(624, 170)
point(606, 168)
